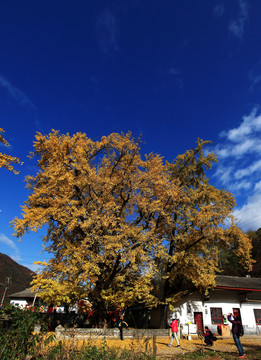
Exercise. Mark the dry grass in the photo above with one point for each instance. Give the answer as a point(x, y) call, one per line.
point(162, 342)
point(222, 349)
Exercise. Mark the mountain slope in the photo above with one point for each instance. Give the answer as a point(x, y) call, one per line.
point(20, 276)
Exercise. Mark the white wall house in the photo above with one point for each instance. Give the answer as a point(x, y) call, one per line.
point(26, 298)
point(234, 295)
point(22, 298)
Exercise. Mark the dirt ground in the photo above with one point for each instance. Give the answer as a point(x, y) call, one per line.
point(223, 348)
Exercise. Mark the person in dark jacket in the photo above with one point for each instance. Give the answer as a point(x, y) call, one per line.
point(208, 336)
point(235, 326)
point(121, 323)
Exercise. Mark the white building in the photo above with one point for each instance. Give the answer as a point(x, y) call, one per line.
point(27, 298)
point(237, 295)
point(22, 298)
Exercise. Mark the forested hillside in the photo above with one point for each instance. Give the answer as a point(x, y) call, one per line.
point(20, 275)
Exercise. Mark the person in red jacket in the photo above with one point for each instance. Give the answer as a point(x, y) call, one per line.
point(174, 332)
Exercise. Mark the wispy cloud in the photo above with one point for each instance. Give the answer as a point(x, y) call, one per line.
point(177, 75)
point(236, 26)
point(19, 96)
point(6, 241)
point(239, 168)
point(255, 79)
point(218, 10)
point(107, 31)
point(249, 170)
point(244, 138)
point(15, 254)
point(33, 267)
point(248, 216)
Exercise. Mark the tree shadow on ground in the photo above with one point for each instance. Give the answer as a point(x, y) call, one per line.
point(253, 352)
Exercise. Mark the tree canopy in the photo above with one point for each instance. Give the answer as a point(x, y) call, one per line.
point(7, 160)
point(230, 263)
point(102, 205)
point(202, 224)
point(256, 252)
point(116, 221)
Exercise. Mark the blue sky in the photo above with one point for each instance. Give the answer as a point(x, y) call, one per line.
point(172, 70)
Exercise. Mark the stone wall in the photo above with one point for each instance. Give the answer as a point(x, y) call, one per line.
point(78, 333)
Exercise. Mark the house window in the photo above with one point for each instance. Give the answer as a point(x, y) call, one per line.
point(216, 315)
point(257, 313)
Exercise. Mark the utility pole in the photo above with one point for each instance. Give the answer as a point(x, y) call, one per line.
point(35, 295)
point(7, 283)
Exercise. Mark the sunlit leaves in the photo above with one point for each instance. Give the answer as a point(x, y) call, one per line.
point(105, 208)
point(117, 222)
point(202, 225)
point(7, 160)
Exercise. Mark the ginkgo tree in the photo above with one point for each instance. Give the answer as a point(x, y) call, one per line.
point(116, 221)
point(202, 223)
point(103, 207)
point(7, 160)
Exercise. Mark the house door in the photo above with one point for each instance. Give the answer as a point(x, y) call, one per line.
point(198, 320)
point(236, 312)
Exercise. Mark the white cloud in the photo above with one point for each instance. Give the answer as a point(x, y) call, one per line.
point(243, 140)
point(33, 267)
point(237, 134)
point(222, 151)
point(258, 187)
point(223, 174)
point(248, 171)
point(249, 215)
point(242, 185)
point(6, 241)
point(236, 27)
point(250, 123)
point(247, 146)
point(239, 168)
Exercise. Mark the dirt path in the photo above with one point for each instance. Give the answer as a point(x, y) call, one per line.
point(221, 347)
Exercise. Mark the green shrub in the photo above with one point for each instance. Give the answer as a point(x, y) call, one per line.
point(19, 340)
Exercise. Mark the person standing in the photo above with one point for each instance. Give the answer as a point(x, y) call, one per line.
point(236, 323)
point(121, 322)
point(174, 332)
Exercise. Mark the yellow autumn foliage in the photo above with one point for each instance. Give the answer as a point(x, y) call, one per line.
point(103, 206)
point(118, 224)
point(200, 225)
point(6, 160)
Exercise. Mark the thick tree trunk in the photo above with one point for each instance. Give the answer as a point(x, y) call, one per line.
point(164, 311)
point(99, 318)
